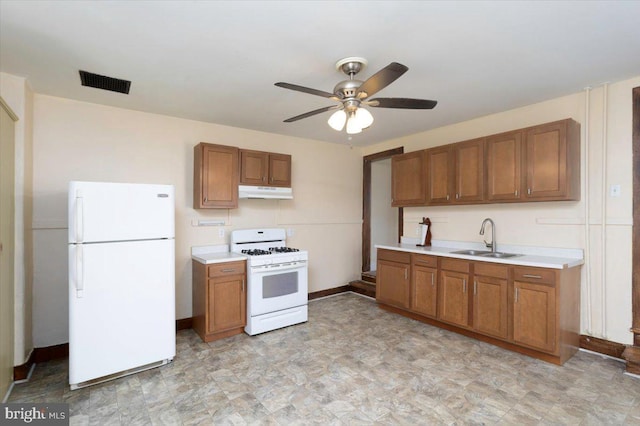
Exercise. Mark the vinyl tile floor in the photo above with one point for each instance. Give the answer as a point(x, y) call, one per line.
point(351, 364)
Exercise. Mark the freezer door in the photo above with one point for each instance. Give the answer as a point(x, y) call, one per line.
point(101, 211)
point(121, 307)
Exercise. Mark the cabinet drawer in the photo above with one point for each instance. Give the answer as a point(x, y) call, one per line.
point(394, 256)
point(424, 260)
point(534, 275)
point(227, 268)
point(491, 270)
point(455, 265)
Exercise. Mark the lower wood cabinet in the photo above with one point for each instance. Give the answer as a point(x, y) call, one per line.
point(490, 299)
point(534, 308)
point(454, 299)
point(393, 276)
point(424, 291)
point(534, 311)
point(219, 299)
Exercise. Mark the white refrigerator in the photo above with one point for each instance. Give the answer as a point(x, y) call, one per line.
point(121, 279)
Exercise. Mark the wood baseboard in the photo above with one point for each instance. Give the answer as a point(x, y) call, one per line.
point(632, 355)
point(602, 346)
point(184, 324)
point(328, 292)
point(21, 372)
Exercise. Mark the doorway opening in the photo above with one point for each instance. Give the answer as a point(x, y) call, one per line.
point(381, 223)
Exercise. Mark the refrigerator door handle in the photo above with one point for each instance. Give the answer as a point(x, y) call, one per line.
point(79, 218)
point(79, 271)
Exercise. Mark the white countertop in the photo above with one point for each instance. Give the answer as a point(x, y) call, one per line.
point(528, 256)
point(215, 254)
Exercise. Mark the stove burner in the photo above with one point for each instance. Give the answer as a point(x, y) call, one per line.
point(282, 249)
point(256, 252)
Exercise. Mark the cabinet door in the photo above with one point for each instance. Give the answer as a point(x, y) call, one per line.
point(408, 185)
point(254, 167)
point(546, 161)
point(226, 303)
point(469, 165)
point(424, 297)
point(215, 176)
point(534, 315)
point(454, 299)
point(504, 164)
point(490, 306)
point(392, 283)
point(440, 172)
point(280, 170)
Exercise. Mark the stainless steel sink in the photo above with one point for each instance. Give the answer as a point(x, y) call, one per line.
point(499, 255)
point(472, 252)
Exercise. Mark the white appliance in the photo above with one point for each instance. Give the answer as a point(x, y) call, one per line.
point(277, 286)
point(121, 280)
point(265, 192)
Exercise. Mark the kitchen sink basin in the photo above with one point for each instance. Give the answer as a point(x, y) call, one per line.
point(499, 255)
point(473, 252)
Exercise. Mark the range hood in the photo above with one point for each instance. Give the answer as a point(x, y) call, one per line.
point(272, 192)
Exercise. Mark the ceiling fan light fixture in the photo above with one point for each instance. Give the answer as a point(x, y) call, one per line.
point(364, 118)
point(353, 125)
point(337, 120)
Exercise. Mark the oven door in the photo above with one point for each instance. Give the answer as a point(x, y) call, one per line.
point(276, 287)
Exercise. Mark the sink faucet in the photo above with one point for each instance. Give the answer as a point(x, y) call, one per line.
point(492, 245)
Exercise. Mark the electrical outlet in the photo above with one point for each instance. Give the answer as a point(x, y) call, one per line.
point(290, 232)
point(615, 190)
point(221, 232)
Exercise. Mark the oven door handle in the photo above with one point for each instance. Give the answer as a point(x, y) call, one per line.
point(278, 267)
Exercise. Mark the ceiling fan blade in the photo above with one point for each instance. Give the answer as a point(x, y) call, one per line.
point(307, 90)
point(406, 103)
point(382, 79)
point(311, 113)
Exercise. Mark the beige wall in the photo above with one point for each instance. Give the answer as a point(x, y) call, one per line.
point(18, 95)
point(82, 141)
point(606, 304)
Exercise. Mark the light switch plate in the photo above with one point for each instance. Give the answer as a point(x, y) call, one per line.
point(615, 190)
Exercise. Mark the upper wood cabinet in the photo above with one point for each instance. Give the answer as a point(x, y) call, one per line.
point(539, 163)
point(408, 179)
point(215, 176)
point(469, 171)
point(440, 170)
point(265, 168)
point(504, 165)
point(552, 161)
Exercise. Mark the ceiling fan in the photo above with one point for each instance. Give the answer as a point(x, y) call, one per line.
point(352, 95)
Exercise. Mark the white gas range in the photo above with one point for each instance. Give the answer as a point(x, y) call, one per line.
point(277, 286)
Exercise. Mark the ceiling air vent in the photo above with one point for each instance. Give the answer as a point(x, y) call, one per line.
point(103, 82)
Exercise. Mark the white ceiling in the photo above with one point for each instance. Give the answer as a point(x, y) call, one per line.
point(217, 61)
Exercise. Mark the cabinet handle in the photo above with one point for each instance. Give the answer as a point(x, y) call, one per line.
point(447, 197)
point(457, 196)
point(432, 280)
point(263, 178)
point(243, 285)
point(475, 287)
point(532, 276)
point(271, 180)
point(516, 296)
point(228, 270)
point(516, 193)
point(405, 273)
point(464, 286)
point(528, 191)
point(205, 199)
